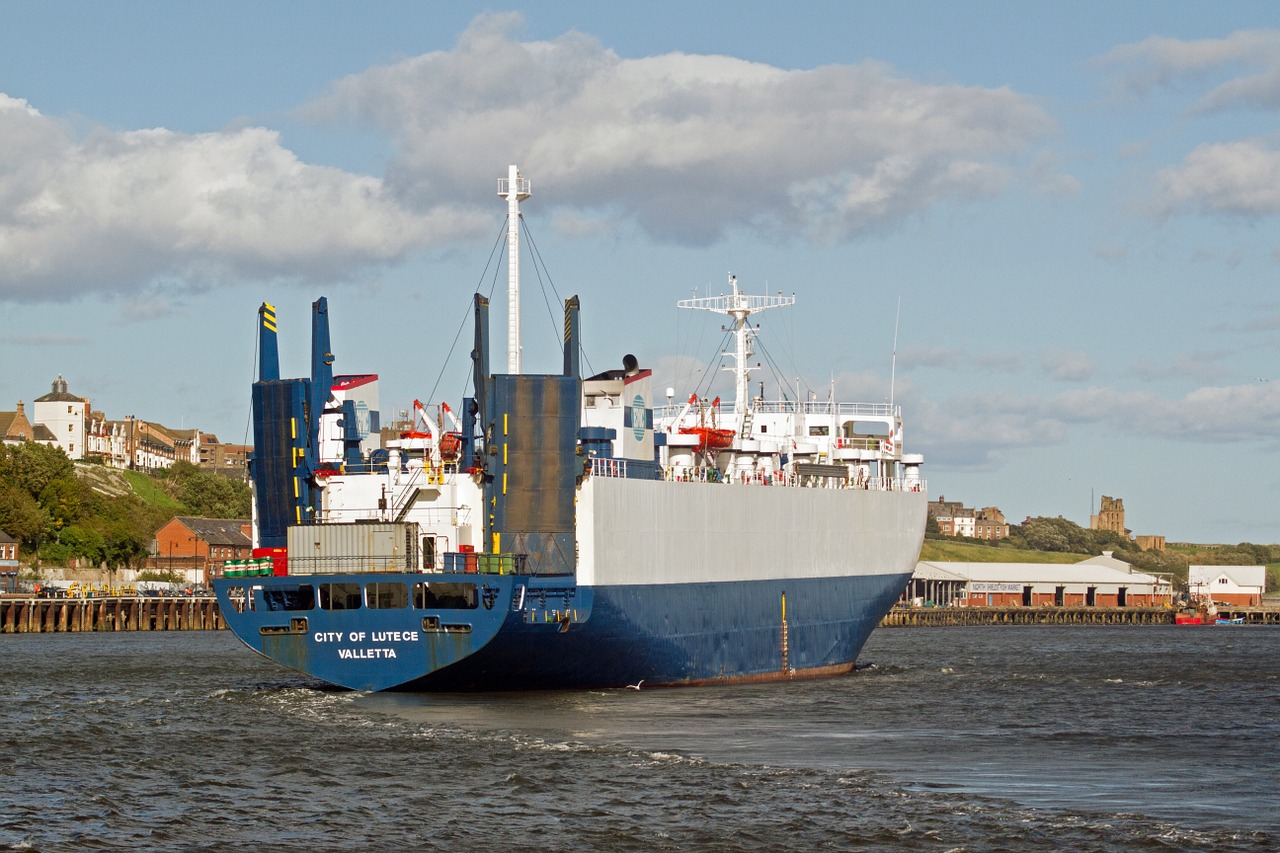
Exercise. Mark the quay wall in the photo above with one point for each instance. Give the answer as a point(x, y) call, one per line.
point(31, 615)
point(908, 617)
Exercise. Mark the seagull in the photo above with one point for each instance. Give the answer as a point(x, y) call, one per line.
point(635, 686)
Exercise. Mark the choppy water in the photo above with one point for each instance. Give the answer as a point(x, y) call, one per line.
point(1009, 738)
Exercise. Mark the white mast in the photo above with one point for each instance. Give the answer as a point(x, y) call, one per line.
point(739, 306)
point(514, 189)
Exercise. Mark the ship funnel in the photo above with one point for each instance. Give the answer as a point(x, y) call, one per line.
point(571, 343)
point(268, 345)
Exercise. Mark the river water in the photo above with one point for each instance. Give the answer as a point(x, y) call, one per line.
point(946, 739)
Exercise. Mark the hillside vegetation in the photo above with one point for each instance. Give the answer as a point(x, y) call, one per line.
point(61, 511)
point(956, 550)
point(1057, 540)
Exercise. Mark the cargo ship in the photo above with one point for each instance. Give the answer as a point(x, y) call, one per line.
point(568, 531)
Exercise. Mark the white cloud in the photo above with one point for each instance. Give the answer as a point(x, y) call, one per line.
point(1160, 62)
point(688, 146)
point(1240, 178)
point(117, 212)
point(1068, 366)
point(1201, 366)
point(975, 431)
point(1048, 180)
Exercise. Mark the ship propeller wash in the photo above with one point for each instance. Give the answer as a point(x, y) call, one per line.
point(568, 530)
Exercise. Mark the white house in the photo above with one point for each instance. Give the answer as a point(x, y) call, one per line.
point(1228, 584)
point(65, 416)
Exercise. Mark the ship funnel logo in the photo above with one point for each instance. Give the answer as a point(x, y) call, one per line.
point(364, 423)
point(638, 418)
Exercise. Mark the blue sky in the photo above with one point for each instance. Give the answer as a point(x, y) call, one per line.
point(1076, 206)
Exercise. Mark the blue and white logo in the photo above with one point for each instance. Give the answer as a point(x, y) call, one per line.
point(364, 423)
point(637, 418)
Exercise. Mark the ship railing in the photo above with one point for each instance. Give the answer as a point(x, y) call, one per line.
point(608, 467)
point(350, 564)
point(790, 407)
point(423, 514)
point(711, 474)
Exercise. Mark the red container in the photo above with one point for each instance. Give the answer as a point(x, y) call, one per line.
point(279, 559)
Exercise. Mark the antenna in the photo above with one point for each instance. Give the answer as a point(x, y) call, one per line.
point(893, 363)
point(739, 306)
point(515, 189)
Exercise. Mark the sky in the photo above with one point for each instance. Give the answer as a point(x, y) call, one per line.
point(1050, 232)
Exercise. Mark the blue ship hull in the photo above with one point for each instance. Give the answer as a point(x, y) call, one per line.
point(546, 632)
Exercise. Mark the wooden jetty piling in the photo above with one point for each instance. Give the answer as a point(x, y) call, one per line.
point(907, 617)
point(31, 615)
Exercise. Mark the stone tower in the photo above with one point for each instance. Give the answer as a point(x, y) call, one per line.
point(1110, 516)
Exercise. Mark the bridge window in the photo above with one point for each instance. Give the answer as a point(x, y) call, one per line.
point(445, 596)
point(339, 596)
point(301, 597)
point(386, 596)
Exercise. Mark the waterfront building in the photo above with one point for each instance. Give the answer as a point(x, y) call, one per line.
point(199, 547)
point(1102, 581)
point(1240, 585)
point(8, 551)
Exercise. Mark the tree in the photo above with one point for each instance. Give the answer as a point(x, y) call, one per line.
point(21, 516)
point(33, 466)
point(209, 495)
point(61, 502)
point(1055, 534)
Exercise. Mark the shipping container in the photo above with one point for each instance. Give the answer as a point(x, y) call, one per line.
point(344, 548)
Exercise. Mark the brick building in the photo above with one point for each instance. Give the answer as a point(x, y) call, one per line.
point(955, 519)
point(14, 426)
point(201, 545)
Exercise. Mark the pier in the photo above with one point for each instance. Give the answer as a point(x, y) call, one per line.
point(934, 617)
point(32, 615)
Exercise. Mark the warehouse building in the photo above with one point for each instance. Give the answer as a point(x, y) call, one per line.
point(1097, 582)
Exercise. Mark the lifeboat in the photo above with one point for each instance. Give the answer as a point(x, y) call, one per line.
point(709, 438)
point(450, 445)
